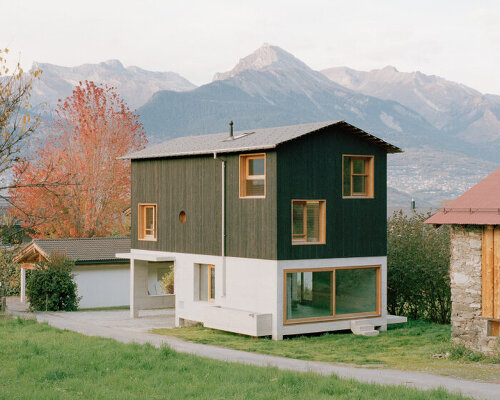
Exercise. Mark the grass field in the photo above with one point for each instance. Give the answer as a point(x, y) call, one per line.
point(40, 362)
point(412, 346)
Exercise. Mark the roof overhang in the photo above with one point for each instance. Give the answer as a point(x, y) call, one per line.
point(143, 255)
point(389, 148)
point(466, 216)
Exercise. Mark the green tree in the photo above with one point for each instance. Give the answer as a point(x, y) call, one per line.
point(418, 259)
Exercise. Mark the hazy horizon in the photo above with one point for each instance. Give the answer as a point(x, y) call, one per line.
point(456, 40)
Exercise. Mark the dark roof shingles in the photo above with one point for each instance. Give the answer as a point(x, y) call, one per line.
point(248, 140)
point(86, 249)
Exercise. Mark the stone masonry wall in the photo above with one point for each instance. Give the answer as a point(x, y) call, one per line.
point(467, 326)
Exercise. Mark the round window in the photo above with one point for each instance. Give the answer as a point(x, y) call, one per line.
point(182, 217)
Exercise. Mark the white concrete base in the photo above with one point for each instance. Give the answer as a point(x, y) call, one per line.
point(396, 319)
point(252, 302)
point(238, 321)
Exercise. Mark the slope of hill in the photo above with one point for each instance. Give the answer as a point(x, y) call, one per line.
point(134, 84)
point(459, 112)
point(271, 87)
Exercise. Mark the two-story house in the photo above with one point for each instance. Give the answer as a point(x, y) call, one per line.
point(276, 231)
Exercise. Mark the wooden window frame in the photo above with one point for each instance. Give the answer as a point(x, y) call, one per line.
point(370, 181)
point(244, 177)
point(333, 317)
point(322, 222)
point(141, 234)
point(210, 295)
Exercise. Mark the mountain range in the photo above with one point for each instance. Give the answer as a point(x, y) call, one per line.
point(135, 85)
point(450, 133)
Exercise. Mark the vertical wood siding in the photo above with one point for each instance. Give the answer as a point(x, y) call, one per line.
point(311, 168)
point(490, 286)
point(193, 185)
point(251, 227)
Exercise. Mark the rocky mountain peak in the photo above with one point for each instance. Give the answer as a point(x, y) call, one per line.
point(113, 64)
point(265, 57)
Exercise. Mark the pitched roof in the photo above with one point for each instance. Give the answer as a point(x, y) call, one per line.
point(80, 250)
point(480, 205)
point(249, 140)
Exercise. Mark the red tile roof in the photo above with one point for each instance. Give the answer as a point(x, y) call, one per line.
point(480, 205)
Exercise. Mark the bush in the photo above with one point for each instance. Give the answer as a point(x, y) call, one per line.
point(10, 274)
point(167, 281)
point(50, 287)
point(418, 259)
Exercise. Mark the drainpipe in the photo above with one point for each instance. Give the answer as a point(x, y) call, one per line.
point(223, 222)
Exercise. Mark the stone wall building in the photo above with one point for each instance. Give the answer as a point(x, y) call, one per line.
point(475, 264)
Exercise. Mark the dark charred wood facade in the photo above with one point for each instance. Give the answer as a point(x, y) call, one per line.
point(309, 167)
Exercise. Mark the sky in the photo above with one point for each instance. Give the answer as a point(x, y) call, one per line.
point(456, 39)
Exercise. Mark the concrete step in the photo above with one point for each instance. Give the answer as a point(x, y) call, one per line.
point(363, 328)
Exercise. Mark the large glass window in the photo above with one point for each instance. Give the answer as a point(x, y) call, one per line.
point(147, 222)
point(355, 291)
point(357, 176)
point(308, 221)
point(253, 175)
point(331, 293)
point(309, 294)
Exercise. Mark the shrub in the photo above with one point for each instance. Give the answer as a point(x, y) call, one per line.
point(50, 286)
point(10, 274)
point(167, 282)
point(418, 259)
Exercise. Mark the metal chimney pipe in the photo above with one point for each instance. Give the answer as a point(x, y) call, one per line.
point(230, 129)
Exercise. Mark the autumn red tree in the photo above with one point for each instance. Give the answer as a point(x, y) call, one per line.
point(91, 186)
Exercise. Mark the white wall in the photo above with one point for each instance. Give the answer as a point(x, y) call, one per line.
point(253, 286)
point(103, 285)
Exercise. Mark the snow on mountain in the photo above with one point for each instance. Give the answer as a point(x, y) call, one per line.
point(134, 84)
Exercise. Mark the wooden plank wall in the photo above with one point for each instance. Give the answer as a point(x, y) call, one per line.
point(311, 168)
point(193, 185)
point(491, 277)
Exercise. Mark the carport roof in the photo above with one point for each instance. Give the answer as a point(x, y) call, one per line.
point(80, 250)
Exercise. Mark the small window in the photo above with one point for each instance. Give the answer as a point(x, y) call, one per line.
point(357, 176)
point(207, 282)
point(147, 221)
point(308, 221)
point(253, 175)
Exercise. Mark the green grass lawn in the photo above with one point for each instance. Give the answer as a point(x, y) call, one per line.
point(40, 362)
point(408, 346)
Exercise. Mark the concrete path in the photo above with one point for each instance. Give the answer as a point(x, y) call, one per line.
point(114, 325)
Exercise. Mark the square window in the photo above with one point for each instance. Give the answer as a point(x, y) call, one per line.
point(308, 221)
point(357, 176)
point(253, 175)
point(147, 222)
